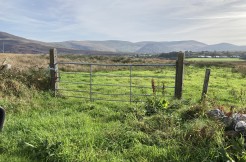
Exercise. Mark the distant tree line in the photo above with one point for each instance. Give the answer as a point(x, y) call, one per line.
point(214, 54)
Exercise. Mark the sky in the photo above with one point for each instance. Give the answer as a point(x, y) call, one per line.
point(207, 21)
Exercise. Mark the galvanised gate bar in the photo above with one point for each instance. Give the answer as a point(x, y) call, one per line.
point(105, 82)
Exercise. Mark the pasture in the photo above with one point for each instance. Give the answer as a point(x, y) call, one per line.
point(40, 127)
point(219, 59)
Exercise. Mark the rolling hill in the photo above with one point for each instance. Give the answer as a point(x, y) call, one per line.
point(15, 44)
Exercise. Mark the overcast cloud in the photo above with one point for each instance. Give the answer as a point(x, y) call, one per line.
point(208, 21)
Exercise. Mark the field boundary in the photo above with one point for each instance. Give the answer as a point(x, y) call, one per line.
point(56, 79)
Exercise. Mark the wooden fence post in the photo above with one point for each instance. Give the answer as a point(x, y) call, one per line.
point(53, 70)
point(205, 84)
point(179, 75)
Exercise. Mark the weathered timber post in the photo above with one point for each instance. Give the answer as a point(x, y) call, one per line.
point(179, 75)
point(2, 118)
point(53, 70)
point(205, 84)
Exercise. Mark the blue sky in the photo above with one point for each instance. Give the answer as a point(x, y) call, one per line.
point(208, 21)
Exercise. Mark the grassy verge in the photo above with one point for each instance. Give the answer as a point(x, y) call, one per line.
point(40, 127)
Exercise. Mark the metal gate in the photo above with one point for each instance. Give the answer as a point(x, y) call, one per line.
point(117, 82)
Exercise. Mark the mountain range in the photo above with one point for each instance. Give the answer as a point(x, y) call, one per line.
point(14, 44)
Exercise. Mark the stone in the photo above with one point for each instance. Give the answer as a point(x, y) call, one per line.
point(240, 126)
point(239, 117)
point(216, 113)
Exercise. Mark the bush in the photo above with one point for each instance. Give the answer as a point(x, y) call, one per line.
point(14, 81)
point(10, 87)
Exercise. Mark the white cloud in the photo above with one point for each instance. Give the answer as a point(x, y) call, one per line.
point(212, 21)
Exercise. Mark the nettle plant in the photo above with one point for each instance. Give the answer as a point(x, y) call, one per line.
point(155, 103)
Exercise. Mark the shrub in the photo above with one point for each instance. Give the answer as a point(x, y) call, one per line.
point(10, 87)
point(33, 78)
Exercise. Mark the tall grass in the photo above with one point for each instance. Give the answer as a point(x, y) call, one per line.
point(40, 127)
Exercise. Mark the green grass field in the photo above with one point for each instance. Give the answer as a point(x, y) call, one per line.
point(225, 86)
point(40, 127)
point(115, 85)
point(215, 59)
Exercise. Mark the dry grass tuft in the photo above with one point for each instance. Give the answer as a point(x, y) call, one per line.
point(25, 61)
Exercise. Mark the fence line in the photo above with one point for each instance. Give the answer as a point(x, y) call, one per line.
point(56, 78)
point(80, 63)
point(135, 76)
